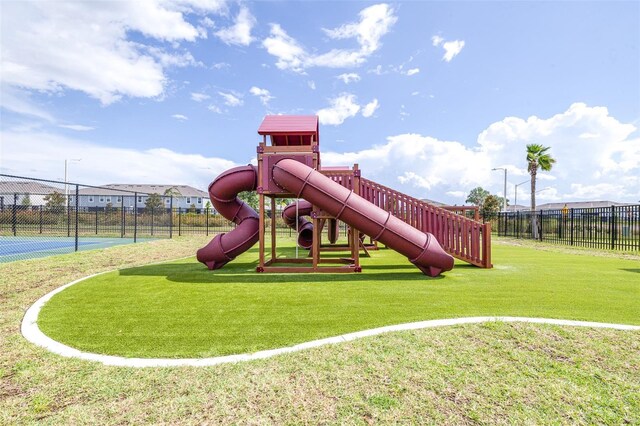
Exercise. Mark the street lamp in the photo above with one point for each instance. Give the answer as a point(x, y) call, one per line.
point(504, 198)
point(515, 203)
point(68, 161)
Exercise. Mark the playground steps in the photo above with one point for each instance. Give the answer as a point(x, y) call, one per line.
point(461, 237)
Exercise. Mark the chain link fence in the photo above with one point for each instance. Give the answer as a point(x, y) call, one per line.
point(40, 217)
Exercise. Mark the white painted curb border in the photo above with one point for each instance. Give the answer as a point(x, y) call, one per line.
point(33, 334)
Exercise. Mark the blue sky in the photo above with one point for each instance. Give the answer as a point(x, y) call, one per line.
point(427, 97)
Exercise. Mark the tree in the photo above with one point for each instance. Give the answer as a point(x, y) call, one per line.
point(171, 191)
point(477, 196)
point(537, 158)
point(251, 198)
point(153, 202)
point(192, 208)
point(26, 200)
point(490, 207)
point(54, 202)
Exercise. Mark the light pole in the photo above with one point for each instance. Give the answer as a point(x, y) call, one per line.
point(515, 203)
point(68, 161)
point(504, 198)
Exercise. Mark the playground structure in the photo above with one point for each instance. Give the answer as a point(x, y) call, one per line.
point(291, 168)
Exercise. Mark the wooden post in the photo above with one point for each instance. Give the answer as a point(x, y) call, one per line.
point(355, 234)
point(260, 208)
point(486, 245)
point(273, 227)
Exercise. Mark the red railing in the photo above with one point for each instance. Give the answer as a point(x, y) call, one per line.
point(463, 238)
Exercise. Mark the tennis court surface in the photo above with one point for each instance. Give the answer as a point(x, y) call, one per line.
point(21, 248)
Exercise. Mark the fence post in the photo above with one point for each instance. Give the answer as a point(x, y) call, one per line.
point(171, 216)
point(179, 222)
point(152, 208)
point(571, 224)
point(614, 230)
point(123, 217)
point(541, 227)
point(207, 220)
point(40, 218)
point(68, 216)
point(96, 219)
point(77, 208)
point(14, 214)
point(135, 218)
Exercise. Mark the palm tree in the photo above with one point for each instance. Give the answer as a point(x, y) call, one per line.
point(537, 158)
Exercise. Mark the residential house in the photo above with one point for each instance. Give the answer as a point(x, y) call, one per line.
point(131, 195)
point(25, 193)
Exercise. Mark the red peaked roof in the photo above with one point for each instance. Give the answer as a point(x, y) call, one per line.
point(280, 127)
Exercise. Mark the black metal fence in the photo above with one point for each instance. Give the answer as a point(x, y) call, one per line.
point(613, 228)
point(54, 211)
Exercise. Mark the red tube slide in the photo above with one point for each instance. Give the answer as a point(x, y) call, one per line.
point(422, 249)
point(305, 228)
point(223, 192)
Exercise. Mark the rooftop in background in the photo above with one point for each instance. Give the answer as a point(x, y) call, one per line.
point(112, 189)
point(27, 187)
point(579, 205)
point(433, 202)
point(569, 204)
point(287, 130)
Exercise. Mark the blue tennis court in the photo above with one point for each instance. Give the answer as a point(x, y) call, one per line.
point(20, 248)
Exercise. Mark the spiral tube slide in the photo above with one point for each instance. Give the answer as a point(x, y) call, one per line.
point(305, 228)
point(422, 249)
point(223, 192)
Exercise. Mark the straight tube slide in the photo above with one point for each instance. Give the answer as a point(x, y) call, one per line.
point(305, 228)
point(422, 249)
point(223, 192)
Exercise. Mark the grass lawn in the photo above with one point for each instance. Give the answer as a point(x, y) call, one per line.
point(181, 309)
point(491, 373)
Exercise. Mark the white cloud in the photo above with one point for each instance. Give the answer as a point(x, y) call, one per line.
point(240, 32)
point(602, 167)
point(345, 106)
point(76, 127)
point(311, 84)
point(231, 99)
point(199, 97)
point(263, 94)
point(370, 108)
point(458, 194)
point(46, 153)
point(347, 78)
point(342, 107)
point(85, 46)
point(452, 48)
point(16, 100)
point(180, 117)
point(215, 108)
point(207, 22)
point(413, 71)
point(377, 70)
point(289, 53)
point(220, 65)
point(436, 40)
point(375, 21)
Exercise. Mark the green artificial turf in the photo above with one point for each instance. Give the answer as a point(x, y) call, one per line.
point(180, 309)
